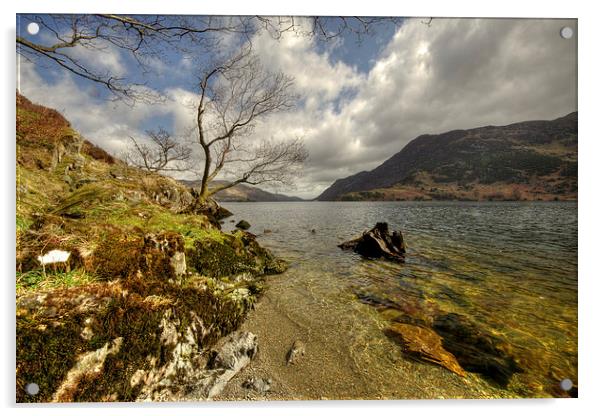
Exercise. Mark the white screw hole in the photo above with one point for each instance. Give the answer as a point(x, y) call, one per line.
point(33, 28)
point(32, 389)
point(566, 384)
point(566, 32)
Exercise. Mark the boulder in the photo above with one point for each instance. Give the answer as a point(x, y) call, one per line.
point(243, 225)
point(222, 213)
point(211, 208)
point(378, 243)
point(424, 344)
point(476, 349)
point(232, 254)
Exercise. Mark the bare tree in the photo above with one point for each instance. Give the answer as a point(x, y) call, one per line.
point(234, 95)
point(163, 154)
point(145, 38)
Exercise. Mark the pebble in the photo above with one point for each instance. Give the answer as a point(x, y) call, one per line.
point(295, 353)
point(261, 385)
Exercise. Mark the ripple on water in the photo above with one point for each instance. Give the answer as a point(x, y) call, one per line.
point(511, 267)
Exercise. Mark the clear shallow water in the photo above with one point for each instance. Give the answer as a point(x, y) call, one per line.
point(511, 267)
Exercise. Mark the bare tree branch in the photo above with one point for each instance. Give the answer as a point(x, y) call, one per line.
point(269, 162)
point(141, 37)
point(148, 37)
point(164, 154)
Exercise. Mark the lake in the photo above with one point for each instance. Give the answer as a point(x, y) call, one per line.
point(509, 267)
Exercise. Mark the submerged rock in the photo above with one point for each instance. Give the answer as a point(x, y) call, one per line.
point(424, 344)
point(378, 243)
point(243, 225)
point(476, 349)
point(296, 352)
point(411, 308)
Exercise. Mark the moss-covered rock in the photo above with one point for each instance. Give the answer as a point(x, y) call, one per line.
point(235, 253)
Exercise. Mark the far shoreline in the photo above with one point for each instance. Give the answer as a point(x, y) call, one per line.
point(407, 200)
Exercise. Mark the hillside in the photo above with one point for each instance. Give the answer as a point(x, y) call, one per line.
point(532, 160)
point(147, 284)
point(243, 193)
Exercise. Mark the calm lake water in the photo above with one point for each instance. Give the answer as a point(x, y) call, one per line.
point(510, 267)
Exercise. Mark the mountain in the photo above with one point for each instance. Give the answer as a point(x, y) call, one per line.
point(531, 160)
point(243, 193)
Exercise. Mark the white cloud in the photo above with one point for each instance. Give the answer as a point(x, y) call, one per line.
point(316, 78)
point(455, 73)
point(105, 123)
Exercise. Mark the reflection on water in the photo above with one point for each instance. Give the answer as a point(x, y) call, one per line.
point(511, 267)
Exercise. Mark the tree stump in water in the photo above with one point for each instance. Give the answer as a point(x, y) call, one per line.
point(378, 243)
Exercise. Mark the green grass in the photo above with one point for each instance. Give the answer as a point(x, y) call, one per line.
point(38, 280)
point(152, 218)
point(23, 223)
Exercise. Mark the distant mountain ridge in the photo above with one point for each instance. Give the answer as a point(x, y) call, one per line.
point(243, 193)
point(522, 161)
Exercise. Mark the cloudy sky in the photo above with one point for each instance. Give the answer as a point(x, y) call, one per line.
point(359, 103)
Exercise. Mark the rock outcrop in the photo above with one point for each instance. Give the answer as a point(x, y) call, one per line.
point(378, 243)
point(236, 353)
point(135, 340)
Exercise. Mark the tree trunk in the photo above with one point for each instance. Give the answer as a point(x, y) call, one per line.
point(205, 180)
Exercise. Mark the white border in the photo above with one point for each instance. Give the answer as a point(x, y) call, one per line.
point(590, 125)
